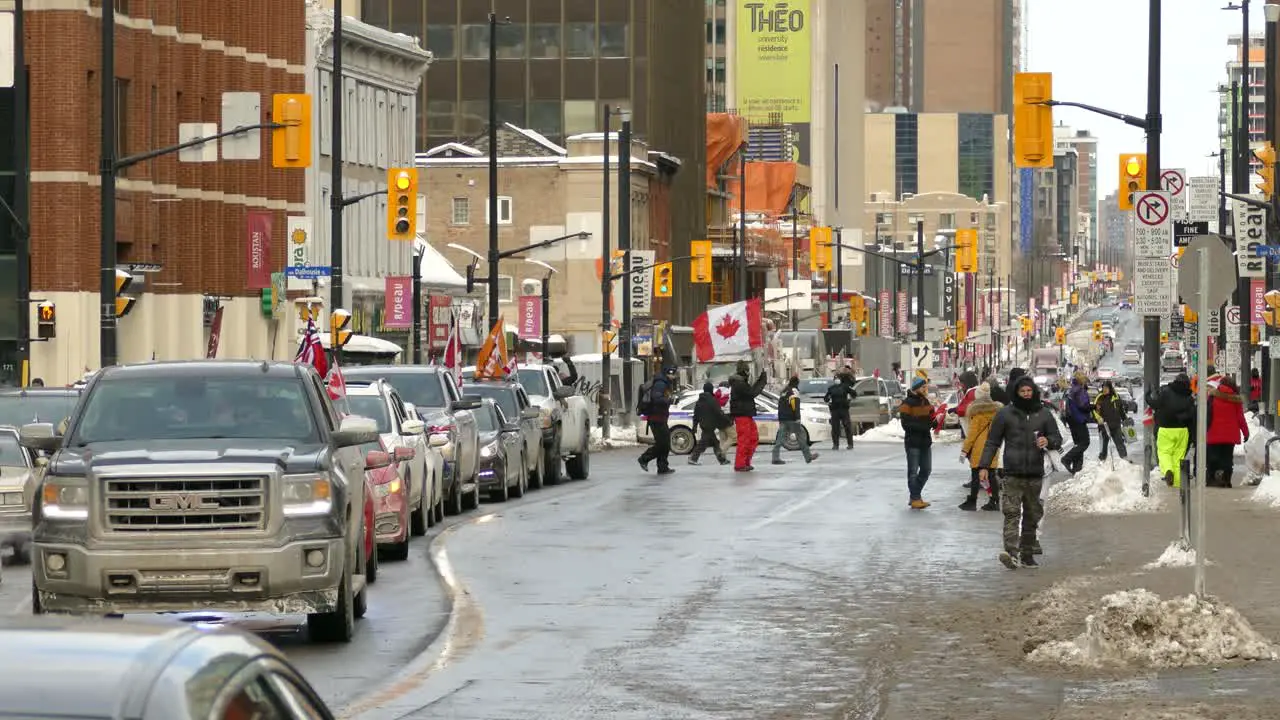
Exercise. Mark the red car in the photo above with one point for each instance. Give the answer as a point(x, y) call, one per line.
point(379, 462)
point(389, 512)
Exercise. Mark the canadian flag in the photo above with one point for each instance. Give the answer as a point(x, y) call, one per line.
point(336, 383)
point(728, 330)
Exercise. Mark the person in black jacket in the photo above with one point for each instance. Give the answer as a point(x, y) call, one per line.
point(1175, 419)
point(839, 397)
point(1026, 429)
point(708, 419)
point(742, 408)
point(657, 415)
point(1111, 415)
point(789, 423)
point(916, 415)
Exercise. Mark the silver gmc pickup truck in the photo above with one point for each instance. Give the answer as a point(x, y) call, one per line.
point(204, 485)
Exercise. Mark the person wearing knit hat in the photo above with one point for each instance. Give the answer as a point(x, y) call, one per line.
point(916, 415)
point(1078, 412)
point(708, 419)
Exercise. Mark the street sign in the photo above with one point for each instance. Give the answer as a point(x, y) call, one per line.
point(1213, 321)
point(1174, 182)
point(1229, 356)
point(921, 356)
point(1234, 318)
point(241, 109)
point(1202, 199)
point(1184, 232)
point(641, 282)
point(308, 272)
point(1251, 234)
point(1271, 252)
point(1153, 278)
point(1222, 279)
point(1153, 231)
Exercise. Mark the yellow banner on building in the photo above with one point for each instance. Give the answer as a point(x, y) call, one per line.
point(774, 60)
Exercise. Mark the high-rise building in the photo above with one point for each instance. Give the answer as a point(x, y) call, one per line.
point(1113, 226)
point(889, 33)
point(1086, 147)
point(717, 42)
point(1255, 107)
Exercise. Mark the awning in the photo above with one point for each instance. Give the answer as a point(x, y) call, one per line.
point(437, 273)
point(364, 344)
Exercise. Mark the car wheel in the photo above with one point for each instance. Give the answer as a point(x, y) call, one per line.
point(682, 440)
point(472, 501)
point(455, 505)
point(338, 626)
point(523, 481)
point(535, 481)
point(552, 468)
point(579, 466)
point(418, 517)
point(37, 607)
point(360, 601)
point(794, 441)
point(503, 494)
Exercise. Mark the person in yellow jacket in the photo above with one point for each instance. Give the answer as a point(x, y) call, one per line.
point(980, 414)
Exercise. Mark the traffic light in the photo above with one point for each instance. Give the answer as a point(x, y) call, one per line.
point(662, 280)
point(609, 341)
point(962, 330)
point(1254, 334)
point(339, 334)
point(1189, 315)
point(1164, 337)
point(1133, 177)
point(1032, 120)
point(402, 204)
point(1272, 313)
point(820, 249)
point(857, 308)
point(1267, 156)
point(47, 320)
point(123, 304)
point(291, 142)
point(700, 264)
point(1097, 330)
point(967, 250)
point(1060, 336)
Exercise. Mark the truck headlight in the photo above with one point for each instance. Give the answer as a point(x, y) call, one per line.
point(488, 451)
point(65, 499)
point(307, 495)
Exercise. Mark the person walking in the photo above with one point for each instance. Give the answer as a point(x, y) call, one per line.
point(1255, 390)
point(1027, 430)
point(1227, 428)
point(789, 422)
point(1077, 411)
point(708, 419)
point(1112, 417)
point(742, 408)
point(916, 415)
point(838, 398)
point(982, 411)
point(1175, 420)
point(655, 405)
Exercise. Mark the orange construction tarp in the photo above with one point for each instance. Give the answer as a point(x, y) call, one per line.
point(769, 187)
point(725, 135)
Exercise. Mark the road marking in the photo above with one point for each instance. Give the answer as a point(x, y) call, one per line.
point(796, 505)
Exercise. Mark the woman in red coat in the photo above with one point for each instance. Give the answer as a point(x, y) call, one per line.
point(1227, 428)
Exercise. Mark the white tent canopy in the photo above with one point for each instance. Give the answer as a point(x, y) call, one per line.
point(364, 344)
point(436, 272)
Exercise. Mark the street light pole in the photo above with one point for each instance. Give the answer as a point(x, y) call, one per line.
point(493, 170)
point(624, 244)
point(107, 169)
point(606, 284)
point(415, 334)
point(1243, 301)
point(740, 258)
point(1271, 368)
point(1151, 323)
point(920, 280)
point(336, 205)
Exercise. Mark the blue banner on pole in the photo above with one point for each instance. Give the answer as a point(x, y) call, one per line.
point(1027, 201)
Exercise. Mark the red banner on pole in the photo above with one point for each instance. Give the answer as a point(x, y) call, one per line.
point(215, 334)
point(530, 323)
point(439, 321)
point(258, 249)
point(1257, 291)
point(398, 302)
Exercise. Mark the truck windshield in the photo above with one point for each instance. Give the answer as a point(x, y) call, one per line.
point(534, 381)
point(195, 408)
point(51, 407)
point(420, 388)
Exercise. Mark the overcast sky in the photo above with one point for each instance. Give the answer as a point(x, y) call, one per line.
point(1083, 43)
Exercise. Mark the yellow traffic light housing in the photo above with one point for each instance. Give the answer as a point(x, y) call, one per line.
point(1032, 120)
point(700, 268)
point(967, 250)
point(1189, 315)
point(1267, 156)
point(1133, 178)
point(1254, 334)
point(1164, 337)
point(1272, 313)
point(609, 341)
point(663, 281)
point(857, 308)
point(1026, 325)
point(1097, 326)
point(291, 142)
point(123, 304)
point(339, 328)
point(962, 330)
point(47, 320)
point(402, 204)
point(820, 249)
point(1060, 336)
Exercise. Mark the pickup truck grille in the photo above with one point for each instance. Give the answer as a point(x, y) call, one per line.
point(185, 504)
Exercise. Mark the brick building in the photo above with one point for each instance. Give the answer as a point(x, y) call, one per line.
point(187, 222)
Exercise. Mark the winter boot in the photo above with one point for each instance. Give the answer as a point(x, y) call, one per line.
point(1007, 559)
point(1028, 561)
point(1218, 479)
point(1036, 549)
point(970, 504)
point(992, 504)
point(1168, 478)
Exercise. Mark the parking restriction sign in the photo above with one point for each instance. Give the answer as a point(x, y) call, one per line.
point(1153, 231)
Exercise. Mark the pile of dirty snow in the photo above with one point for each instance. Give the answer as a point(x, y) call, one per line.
point(619, 437)
point(1268, 491)
point(1102, 488)
point(892, 432)
point(1255, 451)
point(1176, 555)
point(1136, 628)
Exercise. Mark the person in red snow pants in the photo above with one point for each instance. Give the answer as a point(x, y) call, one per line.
point(742, 407)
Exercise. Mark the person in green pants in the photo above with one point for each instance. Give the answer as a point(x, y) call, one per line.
point(1175, 416)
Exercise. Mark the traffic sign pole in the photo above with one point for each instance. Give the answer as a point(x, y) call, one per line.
point(1151, 323)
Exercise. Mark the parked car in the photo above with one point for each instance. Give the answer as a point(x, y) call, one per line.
point(372, 462)
point(817, 426)
point(422, 466)
point(566, 414)
point(1131, 356)
point(17, 490)
point(876, 403)
point(37, 405)
point(390, 507)
point(163, 670)
point(514, 402)
point(439, 402)
point(503, 470)
point(815, 389)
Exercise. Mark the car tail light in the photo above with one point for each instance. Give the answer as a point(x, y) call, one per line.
point(439, 429)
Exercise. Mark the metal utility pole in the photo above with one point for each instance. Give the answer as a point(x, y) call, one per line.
point(415, 334)
point(920, 280)
point(546, 316)
point(1270, 366)
point(624, 244)
point(107, 169)
point(740, 257)
point(21, 189)
point(336, 203)
point(1150, 323)
point(493, 170)
point(606, 283)
point(795, 249)
point(1243, 299)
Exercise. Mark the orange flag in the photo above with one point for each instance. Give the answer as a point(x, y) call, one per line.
point(493, 359)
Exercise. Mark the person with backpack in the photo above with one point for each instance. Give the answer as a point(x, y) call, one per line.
point(708, 419)
point(1077, 412)
point(654, 405)
point(1227, 428)
point(1175, 420)
point(789, 422)
point(1109, 411)
point(742, 408)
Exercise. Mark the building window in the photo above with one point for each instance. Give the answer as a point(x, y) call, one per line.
point(511, 111)
point(442, 41)
point(406, 17)
point(122, 118)
point(544, 41)
point(613, 40)
point(475, 116)
point(506, 289)
point(946, 220)
point(545, 118)
point(504, 210)
point(440, 117)
point(884, 218)
point(460, 211)
point(718, 34)
point(580, 40)
point(510, 40)
point(906, 150)
point(475, 42)
point(580, 117)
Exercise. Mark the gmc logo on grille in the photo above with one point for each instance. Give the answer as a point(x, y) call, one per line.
point(183, 502)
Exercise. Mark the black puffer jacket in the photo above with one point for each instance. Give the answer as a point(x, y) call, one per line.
point(916, 415)
point(1015, 426)
point(742, 396)
point(707, 413)
point(1175, 406)
point(840, 395)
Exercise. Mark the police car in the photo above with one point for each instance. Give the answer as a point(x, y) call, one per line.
point(815, 421)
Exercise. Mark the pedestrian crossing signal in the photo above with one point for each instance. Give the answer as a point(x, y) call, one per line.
point(609, 341)
point(124, 304)
point(47, 320)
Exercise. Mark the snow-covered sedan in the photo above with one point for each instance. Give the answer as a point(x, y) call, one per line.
point(817, 425)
